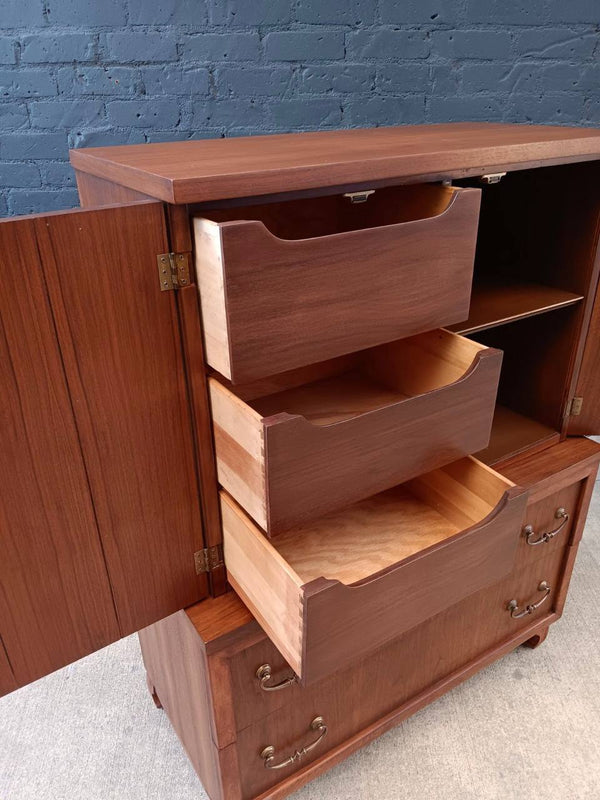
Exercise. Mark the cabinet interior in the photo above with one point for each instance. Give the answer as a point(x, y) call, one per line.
point(534, 269)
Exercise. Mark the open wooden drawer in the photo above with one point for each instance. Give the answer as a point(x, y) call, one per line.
point(287, 284)
point(333, 591)
point(295, 446)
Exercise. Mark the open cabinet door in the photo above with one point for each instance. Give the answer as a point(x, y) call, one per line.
point(99, 508)
point(584, 416)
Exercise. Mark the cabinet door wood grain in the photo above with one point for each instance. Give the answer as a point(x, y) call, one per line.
point(55, 599)
point(121, 345)
point(99, 511)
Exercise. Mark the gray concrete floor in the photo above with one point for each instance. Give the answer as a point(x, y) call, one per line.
point(524, 728)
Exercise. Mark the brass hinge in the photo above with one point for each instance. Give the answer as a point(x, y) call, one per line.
point(576, 406)
point(208, 559)
point(173, 270)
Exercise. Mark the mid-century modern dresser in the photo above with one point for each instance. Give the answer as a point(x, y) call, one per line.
point(309, 412)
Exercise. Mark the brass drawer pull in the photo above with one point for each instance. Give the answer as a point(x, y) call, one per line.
point(268, 753)
point(513, 606)
point(529, 532)
point(264, 675)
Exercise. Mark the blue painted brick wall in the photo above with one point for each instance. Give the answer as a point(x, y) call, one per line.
point(77, 73)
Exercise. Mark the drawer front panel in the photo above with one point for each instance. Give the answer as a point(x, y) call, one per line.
point(549, 522)
point(323, 296)
point(420, 403)
point(354, 698)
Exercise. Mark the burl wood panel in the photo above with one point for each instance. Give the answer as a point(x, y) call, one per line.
point(55, 604)
point(271, 304)
point(121, 347)
point(469, 522)
point(198, 171)
point(428, 401)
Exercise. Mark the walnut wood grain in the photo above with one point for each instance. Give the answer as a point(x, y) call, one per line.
point(311, 620)
point(96, 191)
point(8, 682)
point(270, 304)
point(369, 423)
point(199, 171)
point(56, 604)
point(514, 433)
point(121, 346)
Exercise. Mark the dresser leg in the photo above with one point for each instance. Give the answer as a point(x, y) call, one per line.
point(152, 691)
point(537, 640)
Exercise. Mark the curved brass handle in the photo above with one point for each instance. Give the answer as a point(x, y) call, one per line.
point(264, 675)
point(513, 606)
point(529, 532)
point(268, 753)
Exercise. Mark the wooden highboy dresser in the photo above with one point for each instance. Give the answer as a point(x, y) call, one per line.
point(309, 412)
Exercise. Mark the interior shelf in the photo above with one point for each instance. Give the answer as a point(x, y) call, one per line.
point(494, 304)
point(513, 433)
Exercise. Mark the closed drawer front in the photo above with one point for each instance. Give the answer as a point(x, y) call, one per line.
point(288, 284)
point(329, 593)
point(294, 447)
point(356, 697)
point(548, 523)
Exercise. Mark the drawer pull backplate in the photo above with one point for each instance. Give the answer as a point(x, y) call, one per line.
point(529, 532)
point(264, 674)
point(517, 613)
point(268, 753)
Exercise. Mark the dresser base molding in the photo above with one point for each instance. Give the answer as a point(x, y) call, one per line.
point(223, 761)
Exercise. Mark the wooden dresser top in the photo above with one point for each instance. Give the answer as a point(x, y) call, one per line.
point(213, 169)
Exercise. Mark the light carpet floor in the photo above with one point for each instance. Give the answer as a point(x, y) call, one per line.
point(526, 728)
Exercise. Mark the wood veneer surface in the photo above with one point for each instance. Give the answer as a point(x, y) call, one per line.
point(199, 171)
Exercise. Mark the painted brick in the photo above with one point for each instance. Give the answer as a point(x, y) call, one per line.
point(109, 81)
point(172, 80)
point(510, 12)
point(338, 78)
point(457, 109)
point(403, 78)
point(336, 12)
point(213, 47)
point(555, 43)
point(53, 48)
point(484, 45)
point(7, 50)
point(503, 77)
point(22, 13)
point(3, 205)
point(167, 12)
point(444, 80)
point(386, 43)
point(300, 113)
point(227, 113)
point(574, 11)
point(304, 45)
point(250, 12)
point(27, 145)
point(66, 114)
point(253, 81)
point(106, 137)
point(423, 11)
point(129, 46)
point(17, 175)
point(143, 113)
point(565, 108)
point(27, 201)
point(86, 12)
point(26, 83)
point(385, 111)
point(13, 116)
point(59, 173)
